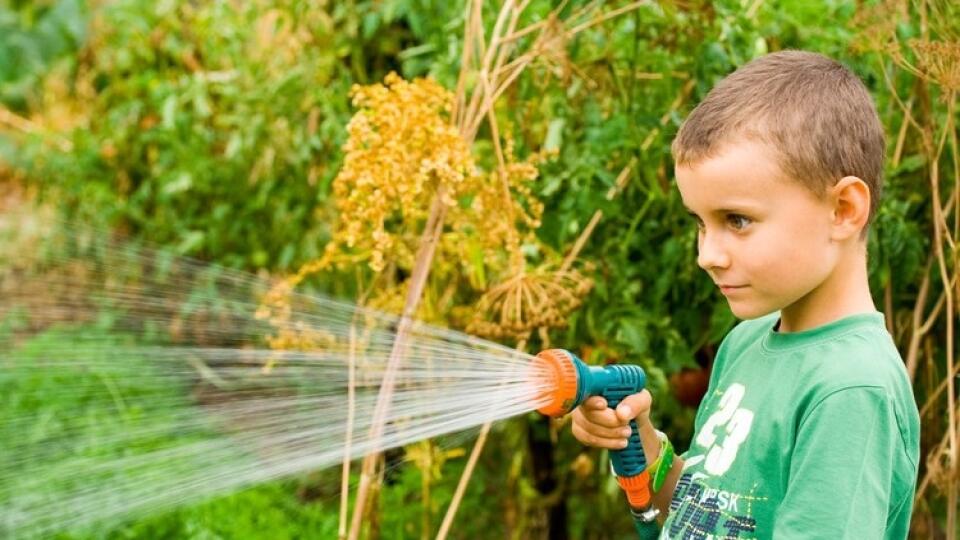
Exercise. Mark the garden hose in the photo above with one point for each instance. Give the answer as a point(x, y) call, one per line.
point(573, 381)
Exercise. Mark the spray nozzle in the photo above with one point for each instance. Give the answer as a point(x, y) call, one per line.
point(570, 382)
point(573, 381)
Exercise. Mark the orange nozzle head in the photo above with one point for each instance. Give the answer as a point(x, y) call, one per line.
point(563, 376)
point(637, 489)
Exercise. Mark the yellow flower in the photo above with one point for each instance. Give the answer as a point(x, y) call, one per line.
point(401, 151)
point(401, 148)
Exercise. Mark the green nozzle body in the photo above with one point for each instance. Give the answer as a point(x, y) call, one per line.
point(613, 383)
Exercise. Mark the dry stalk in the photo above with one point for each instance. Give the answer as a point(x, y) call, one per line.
point(351, 406)
point(30, 127)
point(521, 345)
point(935, 394)
point(421, 269)
point(901, 137)
point(917, 333)
point(681, 97)
point(588, 230)
point(607, 16)
point(351, 414)
point(493, 79)
point(468, 472)
point(941, 232)
point(892, 89)
point(496, 75)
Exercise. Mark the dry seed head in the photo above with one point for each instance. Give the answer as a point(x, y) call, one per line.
point(938, 62)
point(943, 466)
point(527, 301)
point(483, 221)
point(876, 26)
point(401, 148)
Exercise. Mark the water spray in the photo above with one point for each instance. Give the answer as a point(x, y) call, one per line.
point(138, 381)
point(571, 381)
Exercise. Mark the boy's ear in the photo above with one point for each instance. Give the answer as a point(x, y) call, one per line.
point(851, 207)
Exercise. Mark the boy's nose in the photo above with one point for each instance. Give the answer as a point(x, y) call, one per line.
point(710, 252)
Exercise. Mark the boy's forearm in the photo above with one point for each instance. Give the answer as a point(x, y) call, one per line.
point(662, 498)
point(651, 449)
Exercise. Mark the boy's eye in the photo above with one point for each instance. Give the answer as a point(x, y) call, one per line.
point(738, 222)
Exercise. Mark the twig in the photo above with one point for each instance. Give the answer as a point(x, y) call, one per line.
point(468, 39)
point(896, 97)
point(913, 349)
point(941, 230)
point(606, 17)
point(901, 137)
point(932, 398)
point(681, 97)
point(421, 269)
point(588, 230)
point(28, 126)
point(351, 406)
point(468, 472)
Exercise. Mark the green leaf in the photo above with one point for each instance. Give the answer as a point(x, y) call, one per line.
point(554, 134)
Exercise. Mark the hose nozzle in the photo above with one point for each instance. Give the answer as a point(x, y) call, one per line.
point(562, 369)
point(572, 381)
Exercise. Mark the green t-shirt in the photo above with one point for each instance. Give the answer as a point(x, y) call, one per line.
point(811, 434)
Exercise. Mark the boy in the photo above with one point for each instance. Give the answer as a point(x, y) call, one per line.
point(809, 428)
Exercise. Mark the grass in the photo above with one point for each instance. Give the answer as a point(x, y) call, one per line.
point(67, 416)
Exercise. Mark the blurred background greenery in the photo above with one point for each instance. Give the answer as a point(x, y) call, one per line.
point(215, 128)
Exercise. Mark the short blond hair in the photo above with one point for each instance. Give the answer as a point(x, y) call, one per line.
point(813, 112)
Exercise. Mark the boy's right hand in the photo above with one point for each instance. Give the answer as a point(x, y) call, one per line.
point(595, 424)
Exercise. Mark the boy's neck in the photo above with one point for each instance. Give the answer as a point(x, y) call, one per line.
point(845, 292)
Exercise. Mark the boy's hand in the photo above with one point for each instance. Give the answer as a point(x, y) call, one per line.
point(595, 424)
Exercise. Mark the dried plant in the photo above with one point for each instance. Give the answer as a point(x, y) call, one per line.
point(938, 62)
point(402, 151)
point(527, 301)
point(876, 26)
point(930, 64)
point(408, 162)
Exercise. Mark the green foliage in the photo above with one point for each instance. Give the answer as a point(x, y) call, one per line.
point(67, 414)
point(268, 512)
point(35, 35)
point(216, 129)
point(213, 129)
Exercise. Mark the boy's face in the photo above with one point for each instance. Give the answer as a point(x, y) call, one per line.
point(764, 239)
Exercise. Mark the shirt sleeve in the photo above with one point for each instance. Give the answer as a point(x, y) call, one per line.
point(841, 471)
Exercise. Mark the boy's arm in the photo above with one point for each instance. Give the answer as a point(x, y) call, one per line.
point(651, 449)
point(596, 425)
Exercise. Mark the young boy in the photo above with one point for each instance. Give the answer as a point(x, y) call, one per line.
point(809, 428)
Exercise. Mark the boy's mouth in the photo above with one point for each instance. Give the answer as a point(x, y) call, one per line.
point(727, 289)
